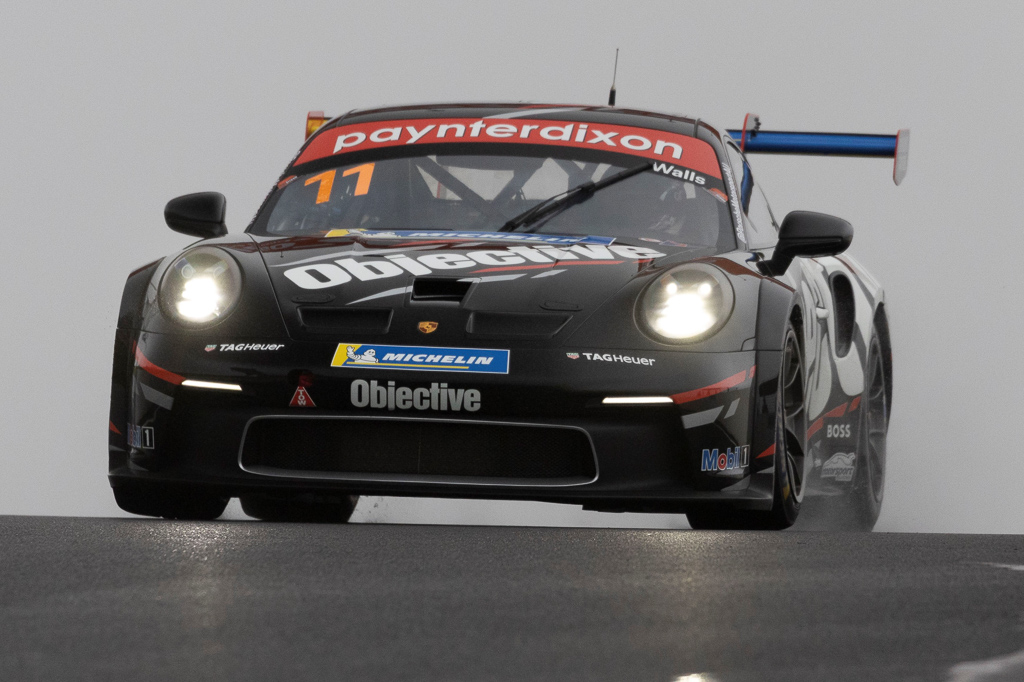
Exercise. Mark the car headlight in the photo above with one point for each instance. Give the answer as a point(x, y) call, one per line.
point(201, 287)
point(688, 303)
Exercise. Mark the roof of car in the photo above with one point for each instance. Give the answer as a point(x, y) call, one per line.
point(676, 123)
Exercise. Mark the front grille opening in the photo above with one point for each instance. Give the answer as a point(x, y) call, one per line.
point(439, 290)
point(318, 319)
point(443, 449)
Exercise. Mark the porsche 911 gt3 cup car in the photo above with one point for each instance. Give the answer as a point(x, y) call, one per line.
point(586, 305)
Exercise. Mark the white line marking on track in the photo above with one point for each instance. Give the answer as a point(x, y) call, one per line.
point(1009, 567)
point(1009, 667)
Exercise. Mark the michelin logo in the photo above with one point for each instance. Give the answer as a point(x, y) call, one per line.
point(367, 358)
point(421, 358)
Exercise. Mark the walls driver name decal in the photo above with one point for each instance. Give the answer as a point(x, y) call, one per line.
point(421, 358)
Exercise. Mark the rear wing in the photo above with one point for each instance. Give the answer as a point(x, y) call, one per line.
point(753, 140)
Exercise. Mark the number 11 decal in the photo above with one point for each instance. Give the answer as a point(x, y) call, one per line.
point(326, 180)
point(363, 181)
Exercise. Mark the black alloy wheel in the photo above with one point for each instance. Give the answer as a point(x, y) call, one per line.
point(790, 436)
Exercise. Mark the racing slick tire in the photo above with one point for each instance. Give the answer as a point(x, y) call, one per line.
point(790, 460)
point(300, 508)
point(170, 502)
point(866, 494)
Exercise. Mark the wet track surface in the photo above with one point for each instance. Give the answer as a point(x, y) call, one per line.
point(111, 599)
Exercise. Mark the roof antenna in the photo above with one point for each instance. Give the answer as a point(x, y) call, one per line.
point(611, 93)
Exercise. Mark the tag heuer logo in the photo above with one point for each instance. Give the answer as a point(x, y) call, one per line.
point(427, 327)
point(573, 356)
point(210, 347)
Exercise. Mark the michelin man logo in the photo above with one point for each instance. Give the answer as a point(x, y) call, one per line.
point(367, 358)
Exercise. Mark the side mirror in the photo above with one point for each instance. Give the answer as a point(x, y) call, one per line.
point(199, 215)
point(805, 233)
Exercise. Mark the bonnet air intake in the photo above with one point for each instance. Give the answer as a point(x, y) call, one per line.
point(339, 320)
point(439, 290)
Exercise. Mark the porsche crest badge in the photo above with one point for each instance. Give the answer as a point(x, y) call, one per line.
point(427, 327)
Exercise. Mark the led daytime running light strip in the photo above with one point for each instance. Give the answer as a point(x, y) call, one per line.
point(638, 400)
point(211, 384)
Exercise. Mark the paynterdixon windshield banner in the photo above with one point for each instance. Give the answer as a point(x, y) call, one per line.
point(644, 142)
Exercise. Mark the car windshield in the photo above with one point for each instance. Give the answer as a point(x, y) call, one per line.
point(484, 192)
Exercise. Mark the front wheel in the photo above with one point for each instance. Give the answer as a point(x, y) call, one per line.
point(170, 501)
point(790, 459)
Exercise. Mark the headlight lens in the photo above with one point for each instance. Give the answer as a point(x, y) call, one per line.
point(688, 303)
point(201, 287)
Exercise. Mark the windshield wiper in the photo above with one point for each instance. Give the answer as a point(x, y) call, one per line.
point(568, 198)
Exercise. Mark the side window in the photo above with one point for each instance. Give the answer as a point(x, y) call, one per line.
point(761, 228)
point(765, 232)
point(742, 172)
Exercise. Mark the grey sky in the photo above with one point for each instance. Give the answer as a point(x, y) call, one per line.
point(110, 109)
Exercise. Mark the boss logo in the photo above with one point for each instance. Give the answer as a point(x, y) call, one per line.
point(838, 431)
point(437, 397)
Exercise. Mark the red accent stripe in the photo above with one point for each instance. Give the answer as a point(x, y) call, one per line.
point(816, 426)
point(838, 412)
point(559, 264)
point(713, 389)
point(159, 372)
point(752, 370)
point(855, 404)
point(769, 451)
point(114, 428)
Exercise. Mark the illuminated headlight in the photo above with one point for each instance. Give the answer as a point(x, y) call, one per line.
point(688, 303)
point(201, 287)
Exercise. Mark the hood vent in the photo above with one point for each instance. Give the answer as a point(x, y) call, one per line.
point(441, 290)
point(519, 325)
point(322, 320)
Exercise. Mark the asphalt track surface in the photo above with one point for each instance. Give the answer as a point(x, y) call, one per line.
point(113, 599)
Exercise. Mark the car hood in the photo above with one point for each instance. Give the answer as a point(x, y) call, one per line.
point(515, 272)
point(537, 277)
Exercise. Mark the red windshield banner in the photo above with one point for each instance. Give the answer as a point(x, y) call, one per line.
point(651, 144)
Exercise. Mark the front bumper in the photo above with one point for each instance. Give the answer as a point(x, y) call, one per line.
point(515, 444)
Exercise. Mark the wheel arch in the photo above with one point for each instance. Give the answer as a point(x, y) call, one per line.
point(129, 320)
point(881, 324)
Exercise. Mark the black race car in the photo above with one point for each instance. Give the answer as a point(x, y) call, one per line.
point(577, 304)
